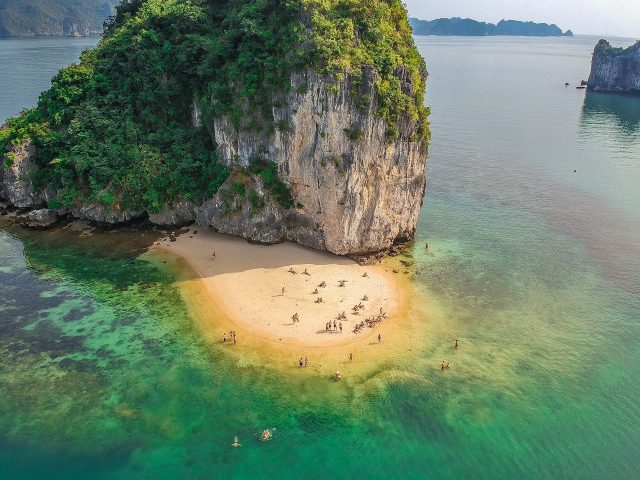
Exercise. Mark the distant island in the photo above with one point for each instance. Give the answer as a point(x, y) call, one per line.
point(71, 18)
point(615, 69)
point(468, 27)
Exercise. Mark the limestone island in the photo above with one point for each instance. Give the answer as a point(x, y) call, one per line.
point(615, 69)
point(467, 27)
point(299, 121)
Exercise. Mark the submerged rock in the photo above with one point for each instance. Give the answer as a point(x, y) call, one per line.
point(615, 69)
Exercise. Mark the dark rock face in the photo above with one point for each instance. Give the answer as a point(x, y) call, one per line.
point(469, 27)
point(178, 214)
point(42, 218)
point(615, 69)
point(16, 185)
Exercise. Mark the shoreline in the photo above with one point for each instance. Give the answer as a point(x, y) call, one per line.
point(241, 290)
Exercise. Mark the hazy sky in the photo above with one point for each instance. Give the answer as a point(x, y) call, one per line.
point(600, 17)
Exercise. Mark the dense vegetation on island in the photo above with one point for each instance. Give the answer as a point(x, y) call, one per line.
point(116, 128)
point(27, 18)
point(468, 27)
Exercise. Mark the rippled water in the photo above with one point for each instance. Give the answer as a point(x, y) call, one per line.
point(534, 267)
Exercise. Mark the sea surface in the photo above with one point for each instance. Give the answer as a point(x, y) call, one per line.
point(532, 217)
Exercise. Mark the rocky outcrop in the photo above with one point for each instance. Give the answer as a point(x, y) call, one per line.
point(180, 213)
point(615, 69)
point(357, 191)
point(357, 186)
point(96, 212)
point(16, 177)
point(41, 218)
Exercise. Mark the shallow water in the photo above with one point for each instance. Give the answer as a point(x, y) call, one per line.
point(535, 268)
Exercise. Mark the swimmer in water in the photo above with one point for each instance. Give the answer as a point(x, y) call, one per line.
point(235, 442)
point(266, 435)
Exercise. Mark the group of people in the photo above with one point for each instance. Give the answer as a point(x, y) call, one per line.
point(329, 327)
point(232, 336)
point(370, 322)
point(356, 309)
point(303, 362)
point(295, 318)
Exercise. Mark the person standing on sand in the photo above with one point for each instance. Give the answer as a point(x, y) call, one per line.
point(213, 256)
point(351, 357)
point(340, 327)
point(224, 338)
point(234, 336)
point(456, 343)
point(442, 365)
point(379, 338)
point(306, 361)
point(301, 362)
point(283, 291)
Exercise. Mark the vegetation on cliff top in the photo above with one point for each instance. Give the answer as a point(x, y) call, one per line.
point(116, 128)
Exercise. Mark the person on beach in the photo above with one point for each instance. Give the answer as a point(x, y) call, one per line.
point(213, 256)
point(301, 362)
point(306, 361)
point(340, 327)
point(379, 338)
point(456, 343)
point(442, 365)
point(306, 273)
point(315, 292)
point(365, 275)
point(283, 291)
point(224, 338)
point(351, 357)
point(234, 337)
point(334, 325)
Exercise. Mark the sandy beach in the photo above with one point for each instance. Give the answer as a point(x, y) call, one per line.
point(246, 284)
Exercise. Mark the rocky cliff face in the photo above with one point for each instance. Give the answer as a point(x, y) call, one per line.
point(615, 69)
point(355, 190)
point(16, 185)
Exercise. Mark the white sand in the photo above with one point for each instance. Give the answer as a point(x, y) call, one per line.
point(245, 282)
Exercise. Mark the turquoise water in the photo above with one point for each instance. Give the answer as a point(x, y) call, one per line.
point(534, 267)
